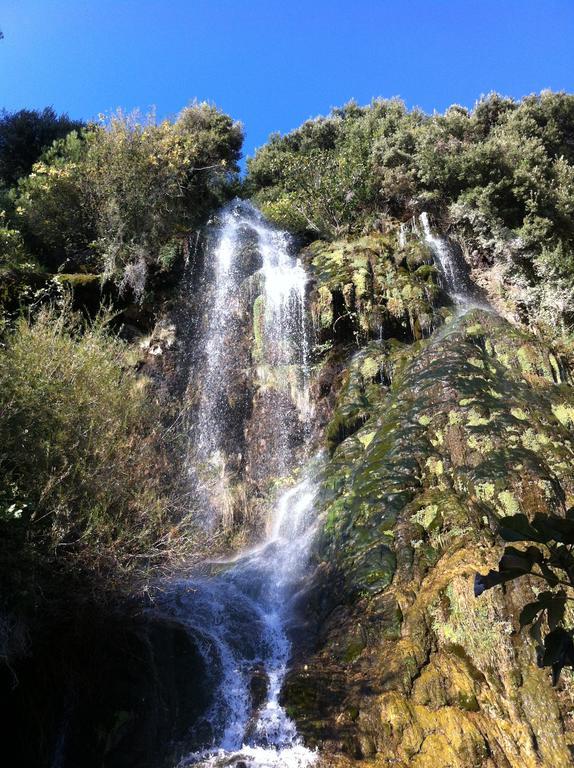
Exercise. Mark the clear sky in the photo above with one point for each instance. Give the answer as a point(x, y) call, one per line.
point(273, 64)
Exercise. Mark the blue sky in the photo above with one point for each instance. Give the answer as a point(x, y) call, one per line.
point(273, 64)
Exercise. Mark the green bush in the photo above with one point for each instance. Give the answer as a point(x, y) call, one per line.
point(114, 195)
point(79, 447)
point(506, 165)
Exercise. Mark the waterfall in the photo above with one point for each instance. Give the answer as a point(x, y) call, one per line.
point(243, 250)
point(220, 319)
point(242, 610)
point(452, 272)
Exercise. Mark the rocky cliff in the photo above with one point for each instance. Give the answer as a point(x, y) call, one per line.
point(438, 421)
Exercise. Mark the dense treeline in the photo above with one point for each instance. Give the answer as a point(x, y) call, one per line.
point(501, 175)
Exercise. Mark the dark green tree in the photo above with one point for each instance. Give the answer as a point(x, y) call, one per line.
point(24, 135)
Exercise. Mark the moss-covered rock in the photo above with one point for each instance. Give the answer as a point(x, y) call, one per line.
point(366, 289)
point(431, 442)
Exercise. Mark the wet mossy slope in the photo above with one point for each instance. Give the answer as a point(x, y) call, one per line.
point(432, 438)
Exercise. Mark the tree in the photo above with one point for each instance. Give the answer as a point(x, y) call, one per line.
point(116, 196)
point(24, 135)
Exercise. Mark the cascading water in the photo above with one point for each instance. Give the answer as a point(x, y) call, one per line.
point(241, 241)
point(285, 344)
point(242, 611)
point(451, 270)
point(221, 316)
point(208, 437)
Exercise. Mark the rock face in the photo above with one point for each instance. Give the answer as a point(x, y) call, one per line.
point(445, 423)
point(436, 421)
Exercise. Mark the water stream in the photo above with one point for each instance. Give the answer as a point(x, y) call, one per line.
point(241, 611)
point(451, 270)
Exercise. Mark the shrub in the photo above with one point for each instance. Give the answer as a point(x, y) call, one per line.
point(13, 254)
point(114, 195)
point(78, 431)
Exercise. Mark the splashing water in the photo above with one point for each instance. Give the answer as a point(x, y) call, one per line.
point(241, 615)
point(242, 612)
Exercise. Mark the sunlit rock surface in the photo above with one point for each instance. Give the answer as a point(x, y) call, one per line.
point(432, 438)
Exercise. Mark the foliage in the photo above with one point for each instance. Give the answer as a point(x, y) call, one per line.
point(12, 250)
point(51, 206)
point(551, 559)
point(24, 135)
point(321, 176)
point(115, 196)
point(79, 444)
point(500, 175)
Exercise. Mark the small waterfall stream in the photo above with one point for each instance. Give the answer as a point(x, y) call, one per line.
point(241, 611)
point(452, 272)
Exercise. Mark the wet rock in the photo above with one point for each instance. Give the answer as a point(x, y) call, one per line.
point(468, 426)
point(258, 688)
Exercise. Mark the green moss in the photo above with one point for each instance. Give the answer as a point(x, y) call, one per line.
point(353, 650)
point(375, 288)
point(476, 419)
point(555, 367)
point(510, 505)
point(564, 412)
point(435, 466)
point(485, 491)
point(78, 279)
point(367, 438)
point(519, 413)
point(468, 702)
point(481, 443)
point(427, 516)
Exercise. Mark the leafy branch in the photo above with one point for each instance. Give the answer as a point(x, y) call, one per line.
point(550, 558)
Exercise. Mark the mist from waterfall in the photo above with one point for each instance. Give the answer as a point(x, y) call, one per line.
point(242, 610)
